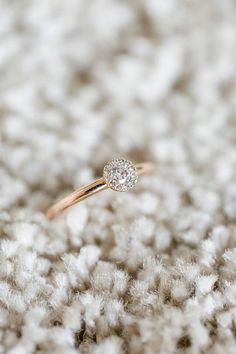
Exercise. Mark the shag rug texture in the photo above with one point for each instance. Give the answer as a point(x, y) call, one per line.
point(148, 271)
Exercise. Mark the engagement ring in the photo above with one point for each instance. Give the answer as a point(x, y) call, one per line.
point(118, 174)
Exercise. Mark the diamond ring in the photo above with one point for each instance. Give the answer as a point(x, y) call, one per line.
point(118, 174)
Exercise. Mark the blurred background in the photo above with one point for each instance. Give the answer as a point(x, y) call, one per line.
point(150, 271)
point(82, 82)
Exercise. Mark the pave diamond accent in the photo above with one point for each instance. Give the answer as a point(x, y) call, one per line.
point(120, 175)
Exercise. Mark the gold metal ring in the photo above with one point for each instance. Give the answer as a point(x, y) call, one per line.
point(118, 174)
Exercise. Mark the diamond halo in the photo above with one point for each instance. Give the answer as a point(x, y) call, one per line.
point(120, 174)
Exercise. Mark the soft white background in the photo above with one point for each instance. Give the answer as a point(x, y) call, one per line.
point(148, 271)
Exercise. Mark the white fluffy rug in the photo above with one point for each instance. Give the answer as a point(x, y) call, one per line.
point(148, 271)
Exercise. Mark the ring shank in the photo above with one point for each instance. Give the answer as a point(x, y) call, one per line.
point(145, 168)
point(92, 188)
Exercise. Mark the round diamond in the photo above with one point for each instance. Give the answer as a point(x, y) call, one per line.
point(120, 175)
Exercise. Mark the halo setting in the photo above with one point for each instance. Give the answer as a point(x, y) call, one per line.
point(120, 175)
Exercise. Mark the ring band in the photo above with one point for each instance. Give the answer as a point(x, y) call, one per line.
point(118, 174)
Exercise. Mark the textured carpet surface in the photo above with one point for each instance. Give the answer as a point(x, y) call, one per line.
point(148, 271)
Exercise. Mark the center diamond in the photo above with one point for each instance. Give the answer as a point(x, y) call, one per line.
point(120, 174)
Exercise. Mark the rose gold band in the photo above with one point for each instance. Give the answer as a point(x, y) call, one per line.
point(92, 188)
